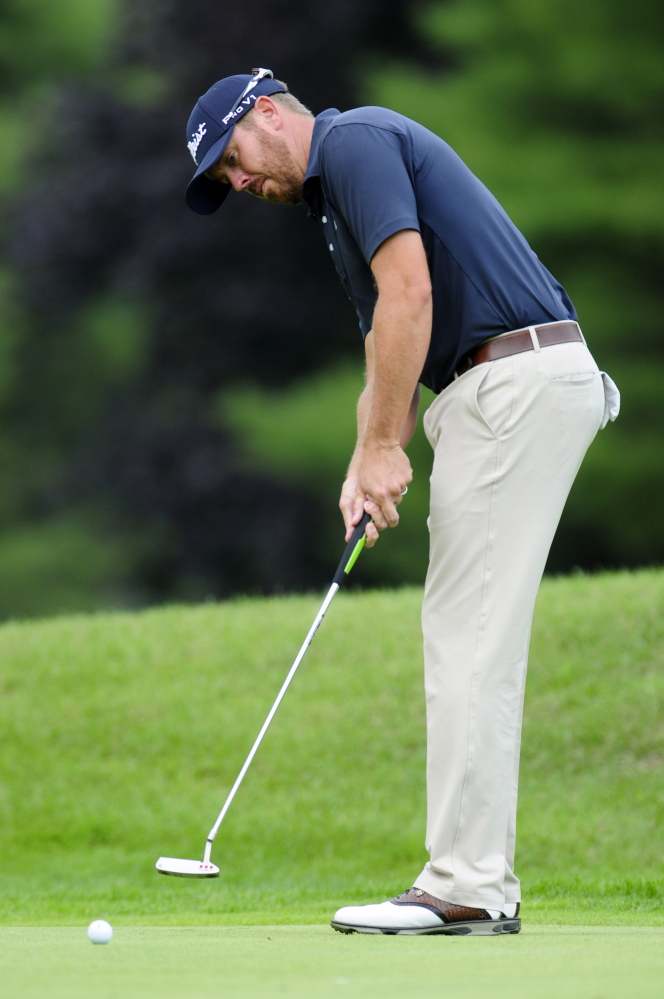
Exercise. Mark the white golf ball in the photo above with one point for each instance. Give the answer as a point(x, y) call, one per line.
point(100, 932)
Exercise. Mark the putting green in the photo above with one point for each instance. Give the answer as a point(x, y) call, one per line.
point(313, 962)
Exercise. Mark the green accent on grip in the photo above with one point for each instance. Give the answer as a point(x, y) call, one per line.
point(356, 551)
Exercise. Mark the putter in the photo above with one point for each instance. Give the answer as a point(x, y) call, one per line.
point(177, 868)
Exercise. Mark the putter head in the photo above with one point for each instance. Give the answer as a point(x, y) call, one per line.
point(177, 868)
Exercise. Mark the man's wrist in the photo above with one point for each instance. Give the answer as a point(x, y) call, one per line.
point(381, 444)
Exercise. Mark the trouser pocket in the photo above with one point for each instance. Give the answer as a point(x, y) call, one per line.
point(494, 395)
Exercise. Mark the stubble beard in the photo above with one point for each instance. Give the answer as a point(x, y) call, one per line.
point(280, 171)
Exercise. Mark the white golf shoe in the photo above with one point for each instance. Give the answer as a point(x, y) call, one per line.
point(415, 912)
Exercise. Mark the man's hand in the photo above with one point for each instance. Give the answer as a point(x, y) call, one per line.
point(383, 475)
point(375, 483)
point(351, 505)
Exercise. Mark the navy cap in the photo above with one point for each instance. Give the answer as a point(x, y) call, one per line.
point(210, 126)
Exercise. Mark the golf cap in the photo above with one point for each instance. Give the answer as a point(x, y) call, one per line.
point(210, 127)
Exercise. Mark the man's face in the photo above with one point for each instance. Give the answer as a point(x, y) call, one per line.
point(259, 161)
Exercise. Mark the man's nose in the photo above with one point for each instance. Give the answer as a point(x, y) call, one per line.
point(239, 179)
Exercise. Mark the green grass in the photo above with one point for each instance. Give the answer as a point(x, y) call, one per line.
point(121, 735)
point(254, 963)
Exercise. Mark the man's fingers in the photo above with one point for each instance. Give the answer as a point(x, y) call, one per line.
point(352, 513)
point(372, 535)
point(383, 514)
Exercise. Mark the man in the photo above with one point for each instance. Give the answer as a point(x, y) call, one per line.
point(448, 295)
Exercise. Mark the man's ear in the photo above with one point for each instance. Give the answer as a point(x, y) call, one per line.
point(269, 113)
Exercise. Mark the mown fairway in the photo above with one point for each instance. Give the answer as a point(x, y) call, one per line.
point(121, 735)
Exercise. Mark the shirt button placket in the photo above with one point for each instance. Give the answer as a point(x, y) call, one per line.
point(324, 219)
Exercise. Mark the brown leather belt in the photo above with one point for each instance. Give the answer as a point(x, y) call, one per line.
point(518, 342)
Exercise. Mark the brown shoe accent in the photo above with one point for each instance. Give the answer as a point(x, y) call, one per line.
point(448, 912)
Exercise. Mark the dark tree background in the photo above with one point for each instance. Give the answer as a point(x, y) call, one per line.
point(182, 306)
point(176, 392)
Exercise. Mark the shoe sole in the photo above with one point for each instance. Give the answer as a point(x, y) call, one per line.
point(473, 927)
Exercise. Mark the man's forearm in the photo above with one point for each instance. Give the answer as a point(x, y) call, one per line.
point(411, 419)
point(363, 408)
point(396, 350)
point(402, 333)
point(363, 404)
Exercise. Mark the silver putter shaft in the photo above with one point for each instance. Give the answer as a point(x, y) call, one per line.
point(179, 868)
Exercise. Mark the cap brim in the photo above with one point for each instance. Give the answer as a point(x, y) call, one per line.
point(204, 195)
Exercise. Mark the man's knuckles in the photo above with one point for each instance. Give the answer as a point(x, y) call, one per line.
point(383, 496)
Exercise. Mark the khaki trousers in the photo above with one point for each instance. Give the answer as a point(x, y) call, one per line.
point(508, 439)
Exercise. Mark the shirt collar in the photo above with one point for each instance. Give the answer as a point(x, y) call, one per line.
point(321, 127)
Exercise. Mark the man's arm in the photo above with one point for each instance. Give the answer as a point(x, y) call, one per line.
point(411, 419)
point(349, 492)
point(396, 350)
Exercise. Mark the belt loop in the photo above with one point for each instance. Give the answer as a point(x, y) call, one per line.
point(456, 375)
point(533, 337)
point(582, 336)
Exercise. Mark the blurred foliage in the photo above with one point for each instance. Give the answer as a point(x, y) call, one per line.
point(41, 44)
point(125, 315)
point(177, 394)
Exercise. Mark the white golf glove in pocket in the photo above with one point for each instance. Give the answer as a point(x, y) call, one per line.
point(611, 400)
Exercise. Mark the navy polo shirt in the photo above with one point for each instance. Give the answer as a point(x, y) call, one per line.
point(373, 172)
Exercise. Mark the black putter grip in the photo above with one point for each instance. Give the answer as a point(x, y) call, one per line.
point(353, 549)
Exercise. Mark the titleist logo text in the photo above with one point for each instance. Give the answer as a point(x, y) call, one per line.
point(196, 141)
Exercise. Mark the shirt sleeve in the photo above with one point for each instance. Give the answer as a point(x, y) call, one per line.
point(368, 178)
